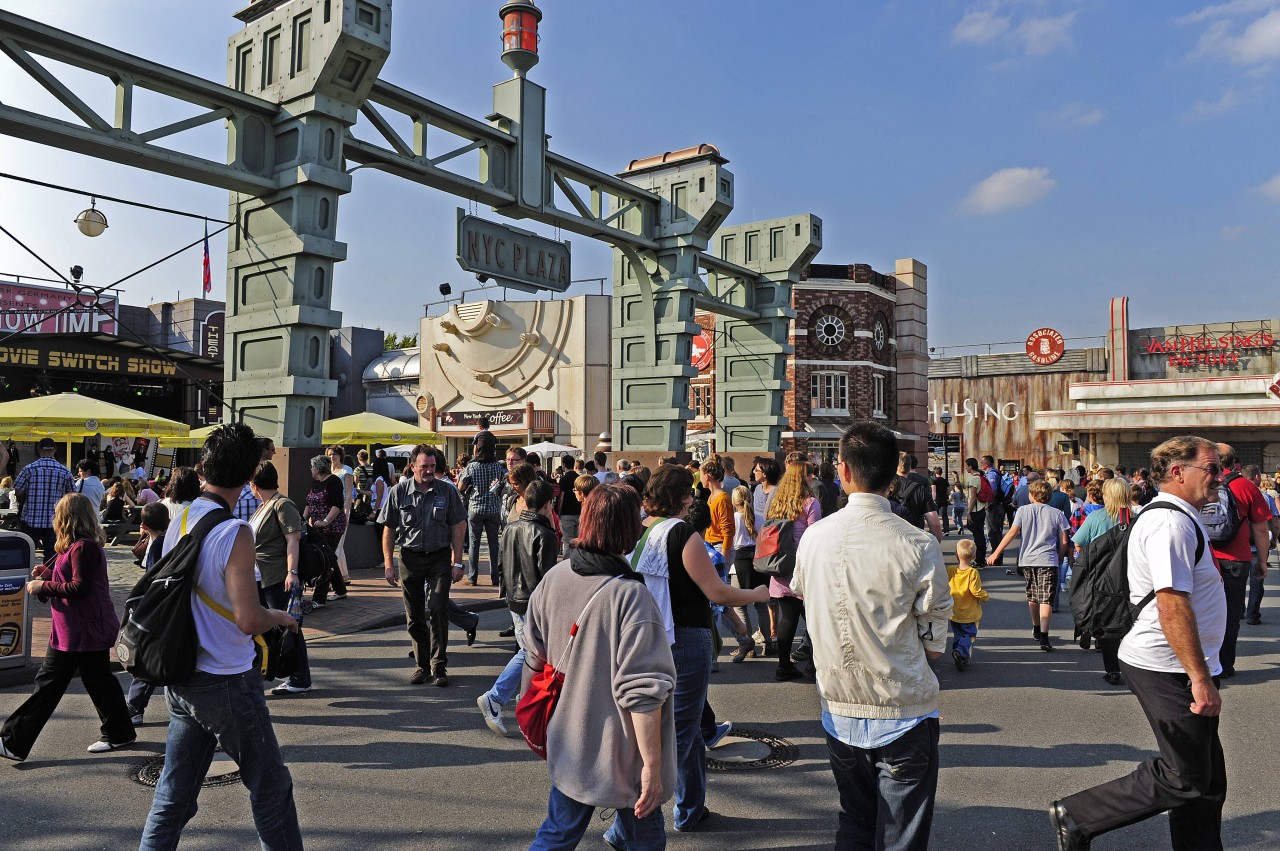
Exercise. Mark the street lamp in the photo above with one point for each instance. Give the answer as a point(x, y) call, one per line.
point(91, 222)
point(945, 416)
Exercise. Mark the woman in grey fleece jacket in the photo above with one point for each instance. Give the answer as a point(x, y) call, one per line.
point(611, 741)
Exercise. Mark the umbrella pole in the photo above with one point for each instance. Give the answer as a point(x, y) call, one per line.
point(68, 453)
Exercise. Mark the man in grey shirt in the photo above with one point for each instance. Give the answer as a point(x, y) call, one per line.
point(424, 517)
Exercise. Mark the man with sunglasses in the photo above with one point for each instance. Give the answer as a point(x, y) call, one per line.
point(1170, 661)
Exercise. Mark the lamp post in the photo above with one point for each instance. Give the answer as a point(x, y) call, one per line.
point(945, 416)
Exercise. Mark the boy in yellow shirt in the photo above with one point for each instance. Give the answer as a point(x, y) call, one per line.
point(967, 597)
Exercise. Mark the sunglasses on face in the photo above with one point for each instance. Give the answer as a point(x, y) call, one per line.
point(1214, 470)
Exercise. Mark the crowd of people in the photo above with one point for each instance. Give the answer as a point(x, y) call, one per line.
point(849, 548)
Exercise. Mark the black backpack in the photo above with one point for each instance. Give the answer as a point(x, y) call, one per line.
point(1100, 580)
point(157, 641)
point(1222, 516)
point(314, 558)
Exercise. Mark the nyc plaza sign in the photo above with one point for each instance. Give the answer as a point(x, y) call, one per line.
point(516, 258)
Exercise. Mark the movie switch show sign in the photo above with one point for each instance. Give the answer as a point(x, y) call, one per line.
point(44, 310)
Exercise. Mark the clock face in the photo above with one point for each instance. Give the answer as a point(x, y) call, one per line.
point(879, 334)
point(829, 329)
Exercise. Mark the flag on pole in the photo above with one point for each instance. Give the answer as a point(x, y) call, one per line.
point(208, 278)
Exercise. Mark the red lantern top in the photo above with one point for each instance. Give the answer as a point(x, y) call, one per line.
point(520, 35)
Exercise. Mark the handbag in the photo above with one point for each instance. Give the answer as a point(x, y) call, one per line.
point(275, 652)
point(538, 703)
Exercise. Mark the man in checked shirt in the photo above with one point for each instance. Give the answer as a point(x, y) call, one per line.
point(40, 485)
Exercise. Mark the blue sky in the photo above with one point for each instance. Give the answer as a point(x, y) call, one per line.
point(1040, 156)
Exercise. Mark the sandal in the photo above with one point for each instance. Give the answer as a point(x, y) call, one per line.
point(746, 649)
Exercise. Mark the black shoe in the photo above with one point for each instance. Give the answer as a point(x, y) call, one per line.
point(471, 633)
point(1044, 643)
point(694, 824)
point(1227, 672)
point(1037, 634)
point(787, 672)
point(1253, 621)
point(441, 680)
point(1112, 677)
point(1068, 832)
point(961, 662)
point(1086, 641)
point(509, 632)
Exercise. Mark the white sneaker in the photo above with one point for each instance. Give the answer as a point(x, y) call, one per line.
point(8, 754)
point(136, 720)
point(106, 747)
point(287, 688)
point(492, 715)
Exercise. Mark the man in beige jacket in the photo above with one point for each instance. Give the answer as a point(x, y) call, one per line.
point(877, 602)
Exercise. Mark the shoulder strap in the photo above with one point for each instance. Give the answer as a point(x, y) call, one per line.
point(582, 616)
point(1194, 525)
point(639, 550)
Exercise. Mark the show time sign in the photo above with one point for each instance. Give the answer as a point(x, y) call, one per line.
point(517, 258)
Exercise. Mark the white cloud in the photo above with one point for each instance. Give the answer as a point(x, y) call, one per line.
point(980, 26)
point(1227, 10)
point(1010, 188)
point(1042, 36)
point(988, 24)
point(1257, 43)
point(1270, 189)
point(1230, 233)
point(1074, 115)
point(1208, 109)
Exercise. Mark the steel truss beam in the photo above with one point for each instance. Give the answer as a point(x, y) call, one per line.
point(408, 159)
point(117, 140)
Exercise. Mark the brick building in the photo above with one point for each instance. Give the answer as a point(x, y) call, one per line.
point(860, 352)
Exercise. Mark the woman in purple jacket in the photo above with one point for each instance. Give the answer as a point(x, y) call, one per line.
point(84, 627)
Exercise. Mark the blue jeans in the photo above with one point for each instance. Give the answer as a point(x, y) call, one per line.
point(275, 597)
point(507, 685)
point(139, 696)
point(486, 524)
point(692, 653)
point(567, 822)
point(887, 793)
point(209, 710)
point(1253, 609)
point(962, 635)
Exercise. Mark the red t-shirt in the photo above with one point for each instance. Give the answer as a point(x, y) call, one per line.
point(1253, 509)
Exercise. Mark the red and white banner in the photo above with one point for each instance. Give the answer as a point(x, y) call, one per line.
point(43, 310)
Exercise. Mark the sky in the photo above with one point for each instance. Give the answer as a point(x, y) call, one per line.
point(1040, 156)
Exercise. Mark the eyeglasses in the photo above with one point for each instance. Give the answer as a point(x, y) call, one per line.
point(1214, 470)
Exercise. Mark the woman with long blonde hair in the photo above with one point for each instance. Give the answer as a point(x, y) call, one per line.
point(792, 500)
point(1116, 509)
point(83, 629)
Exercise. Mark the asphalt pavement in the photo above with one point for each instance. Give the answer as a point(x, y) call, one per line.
point(378, 763)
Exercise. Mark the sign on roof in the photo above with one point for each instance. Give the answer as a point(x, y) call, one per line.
point(514, 257)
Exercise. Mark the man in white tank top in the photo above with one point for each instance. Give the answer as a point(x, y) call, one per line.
point(222, 703)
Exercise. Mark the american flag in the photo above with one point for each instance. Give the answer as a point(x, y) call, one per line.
point(208, 278)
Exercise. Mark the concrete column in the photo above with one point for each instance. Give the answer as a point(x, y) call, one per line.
point(317, 59)
point(911, 321)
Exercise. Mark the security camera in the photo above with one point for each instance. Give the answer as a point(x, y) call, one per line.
point(445, 289)
point(77, 272)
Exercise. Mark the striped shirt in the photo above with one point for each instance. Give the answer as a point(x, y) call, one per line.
point(247, 505)
point(482, 498)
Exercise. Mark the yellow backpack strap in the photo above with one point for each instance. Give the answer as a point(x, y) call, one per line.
point(214, 604)
point(182, 530)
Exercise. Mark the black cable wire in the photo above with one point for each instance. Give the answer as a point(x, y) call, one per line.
point(32, 252)
point(97, 195)
point(170, 256)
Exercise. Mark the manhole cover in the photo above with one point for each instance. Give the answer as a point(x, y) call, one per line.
point(222, 772)
point(751, 750)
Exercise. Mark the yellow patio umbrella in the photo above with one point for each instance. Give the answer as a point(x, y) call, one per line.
point(67, 416)
point(369, 428)
point(194, 440)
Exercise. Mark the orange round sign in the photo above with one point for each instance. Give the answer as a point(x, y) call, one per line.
point(1045, 346)
point(701, 352)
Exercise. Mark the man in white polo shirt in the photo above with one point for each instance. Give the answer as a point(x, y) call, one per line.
point(1170, 661)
